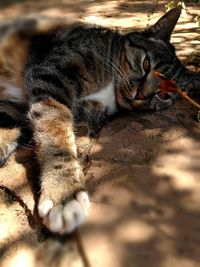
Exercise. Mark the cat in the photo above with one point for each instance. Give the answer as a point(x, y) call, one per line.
point(54, 74)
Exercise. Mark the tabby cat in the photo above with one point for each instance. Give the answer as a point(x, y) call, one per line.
point(54, 74)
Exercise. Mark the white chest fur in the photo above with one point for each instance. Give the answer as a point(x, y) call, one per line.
point(106, 96)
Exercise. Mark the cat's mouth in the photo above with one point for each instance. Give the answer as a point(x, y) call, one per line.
point(139, 100)
point(139, 95)
point(163, 95)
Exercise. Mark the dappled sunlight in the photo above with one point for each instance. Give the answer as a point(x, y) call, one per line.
point(18, 171)
point(181, 163)
point(19, 256)
point(178, 38)
point(101, 251)
point(181, 181)
point(143, 175)
point(191, 201)
point(134, 231)
point(182, 156)
point(9, 225)
point(178, 261)
point(98, 147)
point(121, 14)
point(118, 22)
point(101, 214)
point(17, 177)
point(152, 204)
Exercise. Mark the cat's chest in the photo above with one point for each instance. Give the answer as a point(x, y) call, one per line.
point(106, 96)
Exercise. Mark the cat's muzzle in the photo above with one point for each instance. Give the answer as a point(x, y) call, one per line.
point(157, 102)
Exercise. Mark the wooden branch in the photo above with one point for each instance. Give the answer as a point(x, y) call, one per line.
point(170, 86)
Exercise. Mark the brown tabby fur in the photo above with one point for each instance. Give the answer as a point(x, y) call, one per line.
point(51, 101)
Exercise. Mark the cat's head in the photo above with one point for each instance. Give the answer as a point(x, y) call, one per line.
point(144, 54)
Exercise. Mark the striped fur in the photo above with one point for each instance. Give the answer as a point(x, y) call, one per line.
point(53, 74)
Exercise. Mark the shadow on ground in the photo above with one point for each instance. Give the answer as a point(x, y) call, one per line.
point(143, 178)
point(146, 189)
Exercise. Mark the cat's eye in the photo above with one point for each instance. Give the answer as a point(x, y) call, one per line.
point(146, 64)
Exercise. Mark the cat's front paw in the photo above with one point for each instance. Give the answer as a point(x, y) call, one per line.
point(64, 218)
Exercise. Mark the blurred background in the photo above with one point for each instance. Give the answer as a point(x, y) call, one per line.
point(142, 173)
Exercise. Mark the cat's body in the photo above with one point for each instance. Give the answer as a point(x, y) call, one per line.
point(54, 74)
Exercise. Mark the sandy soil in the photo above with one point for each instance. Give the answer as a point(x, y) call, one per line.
point(142, 173)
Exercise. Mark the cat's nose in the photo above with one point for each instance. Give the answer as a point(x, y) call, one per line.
point(139, 95)
point(133, 95)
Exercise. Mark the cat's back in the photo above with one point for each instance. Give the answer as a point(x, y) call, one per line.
point(35, 36)
point(16, 36)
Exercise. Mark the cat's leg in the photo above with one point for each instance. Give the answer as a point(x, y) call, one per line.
point(94, 113)
point(63, 202)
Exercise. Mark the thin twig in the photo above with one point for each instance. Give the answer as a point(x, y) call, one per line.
point(173, 87)
point(81, 248)
point(184, 95)
point(18, 199)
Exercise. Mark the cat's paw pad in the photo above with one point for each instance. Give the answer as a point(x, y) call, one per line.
point(64, 218)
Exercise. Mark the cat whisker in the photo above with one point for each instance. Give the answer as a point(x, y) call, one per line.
point(120, 69)
point(119, 75)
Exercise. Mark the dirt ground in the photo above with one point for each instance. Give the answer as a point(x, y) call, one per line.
point(143, 172)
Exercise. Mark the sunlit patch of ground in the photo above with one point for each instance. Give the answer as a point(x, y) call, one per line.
point(144, 173)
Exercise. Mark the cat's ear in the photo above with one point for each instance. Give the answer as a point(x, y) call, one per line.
point(164, 27)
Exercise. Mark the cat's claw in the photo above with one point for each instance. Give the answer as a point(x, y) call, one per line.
point(65, 218)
